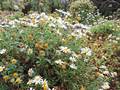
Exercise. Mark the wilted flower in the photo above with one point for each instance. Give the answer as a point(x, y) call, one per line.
point(3, 51)
point(42, 21)
point(38, 45)
point(42, 53)
point(98, 74)
point(45, 45)
point(33, 20)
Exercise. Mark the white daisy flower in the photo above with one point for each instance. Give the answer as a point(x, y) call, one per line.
point(73, 66)
point(3, 51)
point(1, 68)
point(37, 80)
point(113, 74)
point(30, 72)
point(72, 59)
point(86, 51)
point(60, 62)
point(65, 49)
point(105, 86)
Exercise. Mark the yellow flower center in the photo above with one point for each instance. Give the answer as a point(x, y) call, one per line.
point(13, 61)
point(1, 68)
point(6, 78)
point(15, 75)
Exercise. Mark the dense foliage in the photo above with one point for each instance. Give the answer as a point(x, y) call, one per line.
point(75, 50)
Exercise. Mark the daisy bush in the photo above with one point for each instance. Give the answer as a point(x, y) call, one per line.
point(31, 56)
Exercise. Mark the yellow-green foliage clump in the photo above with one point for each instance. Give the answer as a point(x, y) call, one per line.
point(103, 28)
point(80, 5)
point(85, 9)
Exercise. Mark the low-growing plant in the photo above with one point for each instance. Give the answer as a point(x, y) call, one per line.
point(17, 15)
point(106, 27)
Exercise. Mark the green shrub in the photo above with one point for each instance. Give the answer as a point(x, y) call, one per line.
point(46, 5)
point(106, 27)
point(84, 9)
point(7, 5)
point(40, 50)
